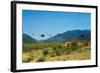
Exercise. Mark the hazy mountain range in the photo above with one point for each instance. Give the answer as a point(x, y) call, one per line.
point(28, 39)
point(68, 35)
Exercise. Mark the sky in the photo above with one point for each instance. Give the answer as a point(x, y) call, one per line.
point(49, 23)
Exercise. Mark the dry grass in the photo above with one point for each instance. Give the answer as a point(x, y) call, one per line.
point(57, 53)
point(72, 56)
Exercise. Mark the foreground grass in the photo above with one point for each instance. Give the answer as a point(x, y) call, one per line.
point(55, 51)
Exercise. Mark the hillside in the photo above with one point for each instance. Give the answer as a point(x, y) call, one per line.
point(70, 35)
point(28, 39)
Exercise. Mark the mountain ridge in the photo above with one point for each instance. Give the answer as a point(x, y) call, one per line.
point(28, 39)
point(72, 34)
point(65, 36)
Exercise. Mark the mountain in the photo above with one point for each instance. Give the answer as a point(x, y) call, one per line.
point(28, 39)
point(70, 35)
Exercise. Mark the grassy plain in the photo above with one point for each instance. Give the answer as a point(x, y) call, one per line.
point(56, 51)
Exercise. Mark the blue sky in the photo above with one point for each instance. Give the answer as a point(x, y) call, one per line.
point(51, 23)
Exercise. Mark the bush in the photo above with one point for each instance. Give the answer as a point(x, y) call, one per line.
point(85, 43)
point(42, 59)
point(61, 50)
point(45, 52)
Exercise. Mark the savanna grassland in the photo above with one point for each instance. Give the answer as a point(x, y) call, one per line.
point(56, 51)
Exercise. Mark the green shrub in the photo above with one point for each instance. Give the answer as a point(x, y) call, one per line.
point(42, 59)
point(85, 43)
point(45, 52)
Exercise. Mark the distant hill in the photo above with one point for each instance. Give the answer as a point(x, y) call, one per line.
point(28, 39)
point(70, 35)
